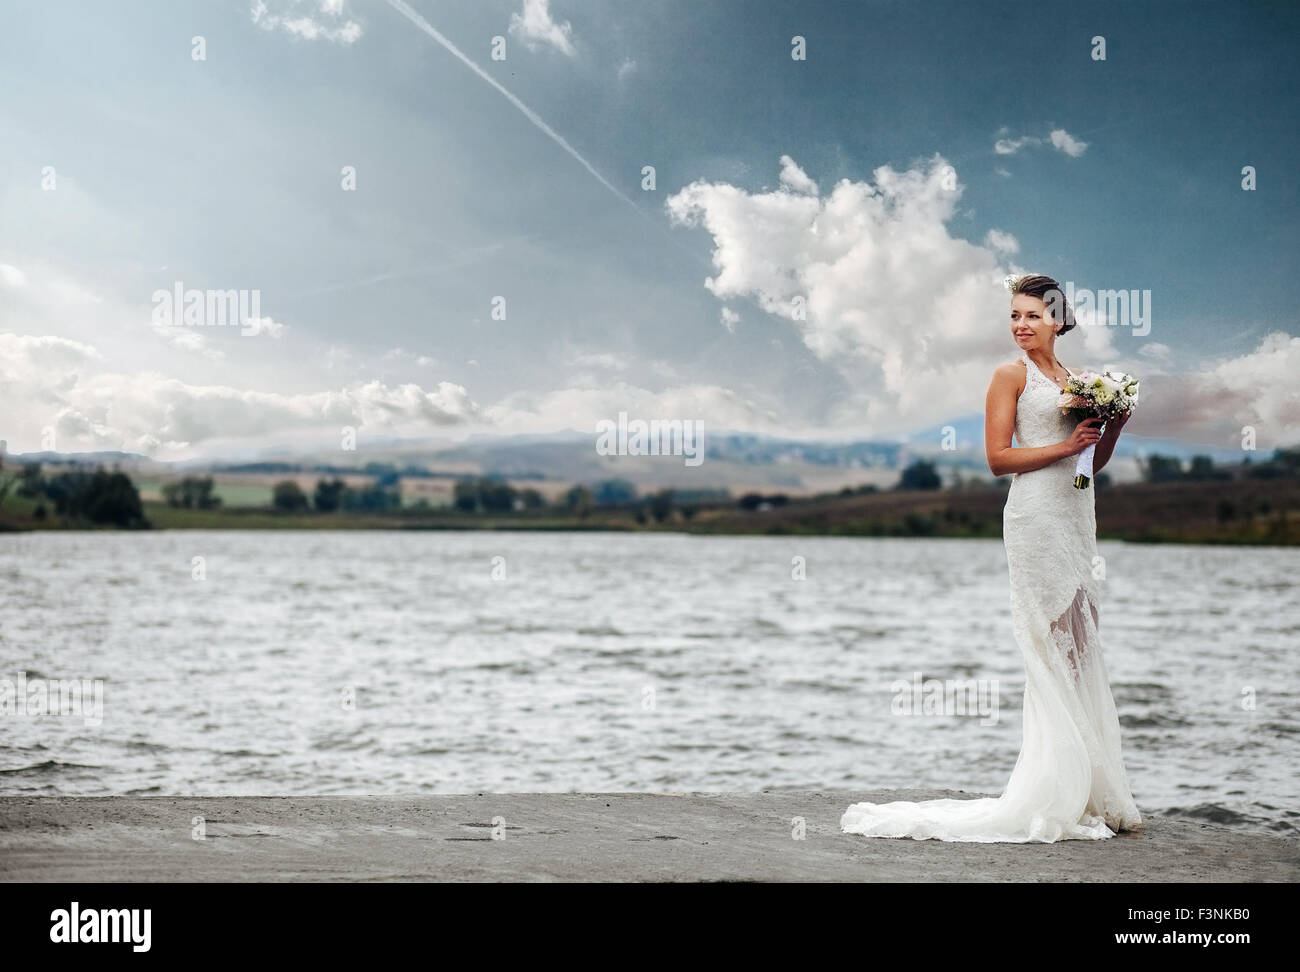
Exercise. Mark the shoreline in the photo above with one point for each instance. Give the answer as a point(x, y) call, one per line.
point(585, 837)
point(1241, 513)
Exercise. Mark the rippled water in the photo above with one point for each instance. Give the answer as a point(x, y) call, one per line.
point(618, 662)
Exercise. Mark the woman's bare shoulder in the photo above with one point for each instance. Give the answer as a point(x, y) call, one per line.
point(1010, 370)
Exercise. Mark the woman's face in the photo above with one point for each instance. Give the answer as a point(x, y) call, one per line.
point(1031, 326)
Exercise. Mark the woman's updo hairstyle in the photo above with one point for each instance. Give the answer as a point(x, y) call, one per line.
point(1049, 292)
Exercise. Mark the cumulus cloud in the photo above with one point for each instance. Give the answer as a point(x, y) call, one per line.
point(1067, 143)
point(48, 382)
point(795, 178)
point(1155, 350)
point(870, 279)
point(914, 319)
point(582, 407)
point(535, 27)
point(1058, 138)
point(188, 339)
point(1001, 242)
point(1213, 404)
point(308, 19)
point(1010, 146)
point(729, 319)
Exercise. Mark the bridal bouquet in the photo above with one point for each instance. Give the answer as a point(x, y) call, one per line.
point(1106, 395)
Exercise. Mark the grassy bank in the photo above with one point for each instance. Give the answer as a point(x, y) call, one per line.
point(1248, 511)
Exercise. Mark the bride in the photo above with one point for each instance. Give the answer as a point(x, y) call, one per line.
point(1069, 781)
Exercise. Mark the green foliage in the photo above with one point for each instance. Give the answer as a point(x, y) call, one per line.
point(288, 496)
point(754, 501)
point(579, 500)
point(191, 493)
point(7, 481)
point(371, 499)
point(328, 495)
point(920, 475)
point(31, 483)
point(100, 497)
point(661, 505)
point(486, 494)
point(1203, 467)
point(614, 492)
point(1161, 469)
point(1284, 462)
point(919, 525)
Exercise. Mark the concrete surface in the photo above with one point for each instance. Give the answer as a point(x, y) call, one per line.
point(575, 837)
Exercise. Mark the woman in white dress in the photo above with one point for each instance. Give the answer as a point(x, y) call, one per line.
point(1069, 781)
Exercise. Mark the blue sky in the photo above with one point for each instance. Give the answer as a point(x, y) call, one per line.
point(920, 152)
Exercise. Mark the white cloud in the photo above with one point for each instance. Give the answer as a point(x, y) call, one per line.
point(1213, 404)
point(308, 19)
point(1010, 146)
point(869, 277)
point(911, 317)
point(42, 352)
point(1059, 138)
point(1155, 350)
point(1067, 143)
point(602, 360)
point(55, 382)
point(188, 339)
point(11, 276)
point(581, 408)
point(730, 319)
point(795, 177)
point(1001, 242)
point(534, 26)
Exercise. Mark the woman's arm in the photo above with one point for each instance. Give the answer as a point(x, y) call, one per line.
point(1000, 426)
point(1106, 444)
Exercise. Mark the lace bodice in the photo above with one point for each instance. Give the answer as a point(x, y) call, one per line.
point(1039, 419)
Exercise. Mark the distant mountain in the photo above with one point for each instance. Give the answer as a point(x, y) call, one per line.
point(733, 460)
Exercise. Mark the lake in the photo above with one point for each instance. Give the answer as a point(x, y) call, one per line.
point(351, 662)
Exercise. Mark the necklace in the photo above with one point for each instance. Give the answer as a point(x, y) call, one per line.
point(1053, 379)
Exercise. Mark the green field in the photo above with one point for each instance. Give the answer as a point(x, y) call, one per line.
point(1245, 511)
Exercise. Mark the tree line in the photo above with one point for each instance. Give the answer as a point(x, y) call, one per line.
point(97, 497)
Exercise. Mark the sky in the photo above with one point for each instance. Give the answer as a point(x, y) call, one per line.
point(443, 242)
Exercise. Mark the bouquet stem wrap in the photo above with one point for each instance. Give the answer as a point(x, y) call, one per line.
point(1083, 467)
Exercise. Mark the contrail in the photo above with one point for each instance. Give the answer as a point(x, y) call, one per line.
point(528, 113)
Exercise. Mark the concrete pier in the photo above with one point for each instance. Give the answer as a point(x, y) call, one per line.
point(574, 837)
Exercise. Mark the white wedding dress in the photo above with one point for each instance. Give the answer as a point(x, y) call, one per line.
point(1069, 781)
